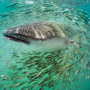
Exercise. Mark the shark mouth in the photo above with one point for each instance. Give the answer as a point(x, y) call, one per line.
point(16, 39)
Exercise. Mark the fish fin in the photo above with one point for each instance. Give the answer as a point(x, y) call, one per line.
point(88, 47)
point(71, 41)
point(74, 42)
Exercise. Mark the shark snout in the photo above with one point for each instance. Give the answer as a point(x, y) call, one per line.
point(10, 32)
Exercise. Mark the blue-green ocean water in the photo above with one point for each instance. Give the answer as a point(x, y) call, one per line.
point(65, 69)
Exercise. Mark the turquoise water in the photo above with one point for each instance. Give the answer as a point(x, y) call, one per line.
point(65, 69)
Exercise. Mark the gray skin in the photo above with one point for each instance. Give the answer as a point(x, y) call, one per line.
point(43, 32)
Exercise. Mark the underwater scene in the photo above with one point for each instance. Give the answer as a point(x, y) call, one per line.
point(44, 44)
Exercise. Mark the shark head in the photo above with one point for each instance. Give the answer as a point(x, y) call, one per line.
point(18, 34)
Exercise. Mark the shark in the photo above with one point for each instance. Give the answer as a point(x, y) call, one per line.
point(42, 36)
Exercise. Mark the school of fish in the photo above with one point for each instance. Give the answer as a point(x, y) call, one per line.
point(41, 71)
